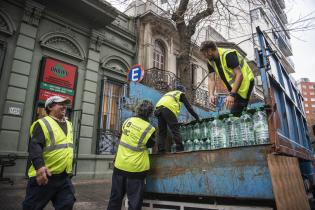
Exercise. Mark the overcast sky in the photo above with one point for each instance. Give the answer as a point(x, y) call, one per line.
point(303, 43)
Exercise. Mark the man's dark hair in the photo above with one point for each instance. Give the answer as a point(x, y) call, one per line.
point(206, 45)
point(145, 109)
point(181, 88)
point(47, 110)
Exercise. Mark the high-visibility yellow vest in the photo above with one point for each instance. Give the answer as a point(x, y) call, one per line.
point(248, 75)
point(171, 101)
point(58, 150)
point(132, 154)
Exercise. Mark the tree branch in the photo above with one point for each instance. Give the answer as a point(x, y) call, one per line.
point(199, 16)
point(178, 15)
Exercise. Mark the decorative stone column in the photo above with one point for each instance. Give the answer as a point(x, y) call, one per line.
point(148, 47)
point(14, 106)
point(89, 94)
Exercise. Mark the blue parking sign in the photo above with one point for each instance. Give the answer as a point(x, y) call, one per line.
point(135, 73)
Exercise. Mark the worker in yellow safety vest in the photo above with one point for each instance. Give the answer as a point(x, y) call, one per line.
point(51, 156)
point(234, 72)
point(167, 111)
point(132, 159)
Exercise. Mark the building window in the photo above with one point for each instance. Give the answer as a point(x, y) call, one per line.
point(303, 86)
point(313, 105)
point(158, 55)
point(306, 105)
point(311, 87)
point(312, 93)
point(305, 99)
point(110, 108)
point(307, 112)
point(312, 99)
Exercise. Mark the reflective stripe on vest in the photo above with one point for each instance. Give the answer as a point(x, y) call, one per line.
point(50, 131)
point(52, 145)
point(58, 149)
point(171, 100)
point(138, 148)
point(132, 154)
point(247, 73)
point(58, 146)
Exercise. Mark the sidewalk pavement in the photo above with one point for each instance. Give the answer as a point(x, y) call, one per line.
point(90, 195)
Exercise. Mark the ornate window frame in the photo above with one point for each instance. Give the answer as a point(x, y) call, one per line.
point(161, 55)
point(115, 71)
point(115, 59)
point(7, 25)
point(51, 41)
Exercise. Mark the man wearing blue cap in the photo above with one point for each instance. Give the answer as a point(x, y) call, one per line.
point(167, 111)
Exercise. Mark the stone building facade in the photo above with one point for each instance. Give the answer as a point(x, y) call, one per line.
point(158, 49)
point(95, 40)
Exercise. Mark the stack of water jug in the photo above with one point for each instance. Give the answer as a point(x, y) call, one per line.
point(249, 129)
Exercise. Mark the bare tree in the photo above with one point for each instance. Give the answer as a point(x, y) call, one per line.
point(191, 16)
point(229, 16)
point(186, 29)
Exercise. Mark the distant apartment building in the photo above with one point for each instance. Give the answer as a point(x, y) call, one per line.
point(307, 89)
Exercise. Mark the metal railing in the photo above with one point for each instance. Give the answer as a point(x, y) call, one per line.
point(201, 98)
point(107, 141)
point(284, 45)
point(166, 81)
point(160, 79)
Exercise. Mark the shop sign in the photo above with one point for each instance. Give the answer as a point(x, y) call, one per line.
point(57, 78)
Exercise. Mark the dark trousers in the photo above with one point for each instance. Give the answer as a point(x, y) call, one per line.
point(122, 185)
point(167, 118)
point(59, 190)
point(240, 103)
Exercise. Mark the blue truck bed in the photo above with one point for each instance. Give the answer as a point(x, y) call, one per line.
point(240, 172)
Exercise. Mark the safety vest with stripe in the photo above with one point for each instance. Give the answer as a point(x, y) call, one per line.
point(171, 100)
point(58, 149)
point(132, 154)
point(247, 73)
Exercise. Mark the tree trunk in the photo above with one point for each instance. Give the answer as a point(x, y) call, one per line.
point(185, 32)
point(184, 63)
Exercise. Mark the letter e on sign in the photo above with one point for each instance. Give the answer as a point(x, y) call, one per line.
point(135, 73)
